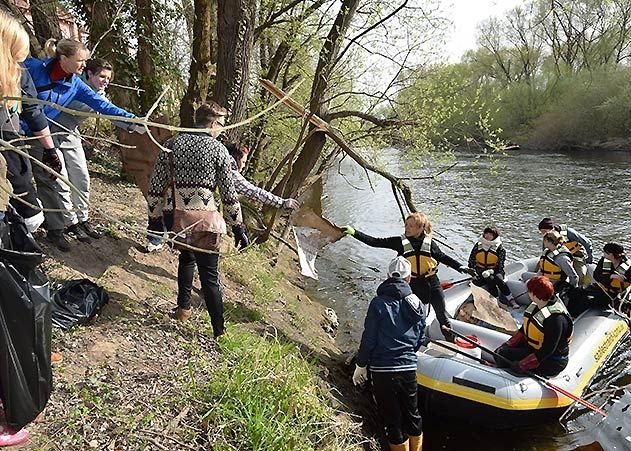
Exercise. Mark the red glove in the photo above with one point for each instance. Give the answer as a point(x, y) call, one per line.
point(516, 340)
point(530, 362)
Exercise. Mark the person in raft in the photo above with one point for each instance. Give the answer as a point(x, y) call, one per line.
point(418, 247)
point(579, 245)
point(487, 259)
point(393, 331)
point(542, 343)
point(612, 279)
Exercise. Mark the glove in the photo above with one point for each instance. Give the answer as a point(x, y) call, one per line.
point(530, 362)
point(348, 230)
point(241, 240)
point(292, 203)
point(467, 270)
point(51, 159)
point(155, 224)
point(488, 273)
point(516, 340)
point(360, 375)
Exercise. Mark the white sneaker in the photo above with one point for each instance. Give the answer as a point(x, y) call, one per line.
point(154, 247)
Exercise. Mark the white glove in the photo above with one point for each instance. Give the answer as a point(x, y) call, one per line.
point(360, 375)
point(487, 273)
point(292, 203)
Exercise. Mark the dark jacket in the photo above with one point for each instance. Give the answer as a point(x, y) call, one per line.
point(394, 243)
point(393, 329)
point(63, 92)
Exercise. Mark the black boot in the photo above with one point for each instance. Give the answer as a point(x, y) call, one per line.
point(89, 230)
point(76, 231)
point(57, 238)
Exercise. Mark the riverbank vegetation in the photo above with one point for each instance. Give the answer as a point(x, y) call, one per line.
point(552, 75)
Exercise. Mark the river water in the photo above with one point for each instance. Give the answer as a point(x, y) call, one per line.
point(590, 191)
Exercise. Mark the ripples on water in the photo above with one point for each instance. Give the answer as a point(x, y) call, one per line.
point(589, 191)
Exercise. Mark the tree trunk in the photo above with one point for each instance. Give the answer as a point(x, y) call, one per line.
point(235, 37)
point(148, 81)
point(107, 40)
point(35, 46)
point(315, 143)
point(201, 70)
point(274, 67)
point(45, 20)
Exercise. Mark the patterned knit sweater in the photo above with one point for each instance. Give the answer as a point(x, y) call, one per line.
point(200, 165)
point(247, 189)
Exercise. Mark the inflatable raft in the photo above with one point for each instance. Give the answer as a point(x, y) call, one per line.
point(455, 385)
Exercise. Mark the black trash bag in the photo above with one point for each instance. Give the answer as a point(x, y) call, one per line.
point(25, 340)
point(77, 302)
point(17, 245)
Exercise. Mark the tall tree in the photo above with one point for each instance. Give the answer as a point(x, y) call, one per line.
point(148, 81)
point(235, 34)
point(45, 20)
point(109, 38)
point(319, 104)
point(202, 60)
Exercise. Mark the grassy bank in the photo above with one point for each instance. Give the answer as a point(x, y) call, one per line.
point(135, 379)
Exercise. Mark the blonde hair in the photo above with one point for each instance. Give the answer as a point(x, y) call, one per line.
point(14, 48)
point(554, 237)
point(54, 48)
point(421, 221)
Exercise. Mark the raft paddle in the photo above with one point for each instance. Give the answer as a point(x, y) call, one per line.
point(541, 379)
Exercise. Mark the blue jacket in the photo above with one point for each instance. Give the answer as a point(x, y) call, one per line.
point(63, 92)
point(393, 329)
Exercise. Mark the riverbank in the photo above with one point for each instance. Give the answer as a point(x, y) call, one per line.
point(136, 379)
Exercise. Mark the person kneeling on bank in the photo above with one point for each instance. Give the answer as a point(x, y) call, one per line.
point(393, 330)
point(542, 343)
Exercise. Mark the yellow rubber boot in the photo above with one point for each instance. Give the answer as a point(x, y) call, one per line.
point(416, 442)
point(405, 446)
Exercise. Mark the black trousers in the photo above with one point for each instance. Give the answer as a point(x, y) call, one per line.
point(208, 266)
point(20, 174)
point(492, 284)
point(397, 404)
point(549, 367)
point(428, 290)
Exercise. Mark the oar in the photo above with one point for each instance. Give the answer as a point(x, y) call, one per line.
point(457, 351)
point(541, 379)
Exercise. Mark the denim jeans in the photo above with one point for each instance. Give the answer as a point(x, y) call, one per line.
point(208, 266)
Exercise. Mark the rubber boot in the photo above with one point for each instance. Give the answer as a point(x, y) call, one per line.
point(405, 446)
point(416, 442)
point(11, 437)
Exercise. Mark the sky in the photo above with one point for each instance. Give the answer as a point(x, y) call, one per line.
point(465, 15)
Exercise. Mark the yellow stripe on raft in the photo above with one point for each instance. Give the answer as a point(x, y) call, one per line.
point(603, 350)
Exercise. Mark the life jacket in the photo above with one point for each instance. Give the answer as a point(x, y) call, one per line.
point(548, 267)
point(423, 264)
point(576, 249)
point(615, 286)
point(533, 322)
point(486, 259)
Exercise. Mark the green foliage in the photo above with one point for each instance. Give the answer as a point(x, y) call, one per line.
point(266, 396)
point(552, 88)
point(449, 108)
